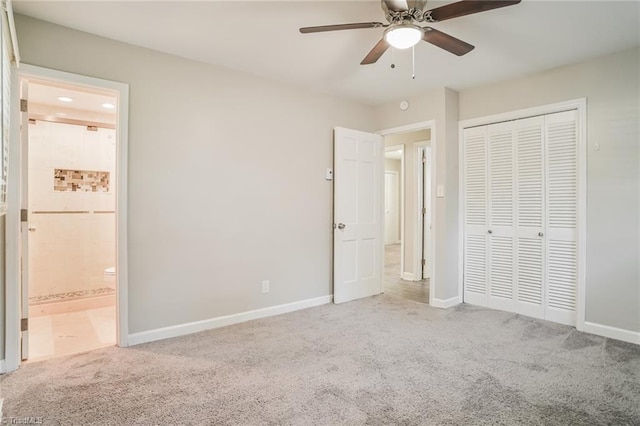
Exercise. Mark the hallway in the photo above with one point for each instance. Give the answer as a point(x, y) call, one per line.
point(418, 291)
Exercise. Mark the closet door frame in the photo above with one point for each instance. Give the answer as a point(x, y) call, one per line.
point(579, 105)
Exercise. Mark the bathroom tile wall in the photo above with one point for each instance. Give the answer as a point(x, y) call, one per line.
point(74, 237)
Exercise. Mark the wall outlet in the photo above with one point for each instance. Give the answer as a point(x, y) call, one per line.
point(265, 286)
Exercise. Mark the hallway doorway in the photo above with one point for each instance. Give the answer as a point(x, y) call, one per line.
point(404, 243)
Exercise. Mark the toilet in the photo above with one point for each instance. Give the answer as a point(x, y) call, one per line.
point(110, 277)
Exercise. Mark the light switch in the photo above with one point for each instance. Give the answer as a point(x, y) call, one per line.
point(329, 174)
point(440, 191)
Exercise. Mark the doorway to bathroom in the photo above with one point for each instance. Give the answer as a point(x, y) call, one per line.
point(70, 186)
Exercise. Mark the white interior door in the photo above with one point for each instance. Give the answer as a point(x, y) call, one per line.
point(475, 216)
point(521, 185)
point(358, 214)
point(391, 204)
point(529, 145)
point(501, 211)
point(24, 224)
point(561, 134)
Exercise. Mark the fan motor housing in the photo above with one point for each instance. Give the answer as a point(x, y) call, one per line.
point(406, 11)
point(402, 5)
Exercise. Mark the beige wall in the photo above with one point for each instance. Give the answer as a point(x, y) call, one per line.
point(191, 238)
point(611, 85)
point(215, 203)
point(392, 165)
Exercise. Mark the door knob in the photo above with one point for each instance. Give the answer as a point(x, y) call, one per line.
point(32, 228)
point(490, 231)
point(341, 226)
point(540, 234)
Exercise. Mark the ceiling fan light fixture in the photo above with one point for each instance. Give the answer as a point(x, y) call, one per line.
point(403, 36)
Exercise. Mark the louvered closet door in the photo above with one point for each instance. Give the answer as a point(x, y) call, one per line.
point(529, 200)
point(561, 216)
point(475, 215)
point(501, 216)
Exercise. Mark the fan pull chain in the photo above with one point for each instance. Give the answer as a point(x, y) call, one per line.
point(413, 62)
point(393, 58)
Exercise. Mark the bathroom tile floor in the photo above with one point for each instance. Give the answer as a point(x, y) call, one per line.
point(69, 333)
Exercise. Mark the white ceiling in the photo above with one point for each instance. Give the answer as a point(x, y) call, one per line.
point(262, 38)
point(45, 94)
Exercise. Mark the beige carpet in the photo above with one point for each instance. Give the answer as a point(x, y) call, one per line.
point(381, 360)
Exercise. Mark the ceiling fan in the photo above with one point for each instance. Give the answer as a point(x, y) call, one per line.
point(403, 30)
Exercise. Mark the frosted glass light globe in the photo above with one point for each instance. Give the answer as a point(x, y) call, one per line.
point(403, 36)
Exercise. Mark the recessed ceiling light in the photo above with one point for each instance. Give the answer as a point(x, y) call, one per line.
point(65, 99)
point(108, 105)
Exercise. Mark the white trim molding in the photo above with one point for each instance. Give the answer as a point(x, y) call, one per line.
point(13, 35)
point(576, 104)
point(2, 371)
point(612, 332)
point(223, 321)
point(423, 125)
point(408, 276)
point(446, 303)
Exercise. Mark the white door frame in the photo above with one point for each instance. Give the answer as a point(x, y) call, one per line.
point(580, 105)
point(12, 332)
point(401, 212)
point(423, 125)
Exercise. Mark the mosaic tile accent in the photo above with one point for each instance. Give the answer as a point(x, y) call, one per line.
point(61, 297)
point(80, 181)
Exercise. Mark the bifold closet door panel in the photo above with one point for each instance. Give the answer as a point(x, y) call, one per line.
point(561, 134)
point(475, 215)
point(529, 200)
point(500, 167)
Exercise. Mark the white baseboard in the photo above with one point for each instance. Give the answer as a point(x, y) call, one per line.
point(612, 332)
point(407, 276)
point(2, 369)
point(446, 303)
point(208, 324)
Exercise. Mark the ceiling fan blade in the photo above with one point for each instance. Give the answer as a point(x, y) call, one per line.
point(356, 26)
point(446, 42)
point(375, 53)
point(468, 7)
